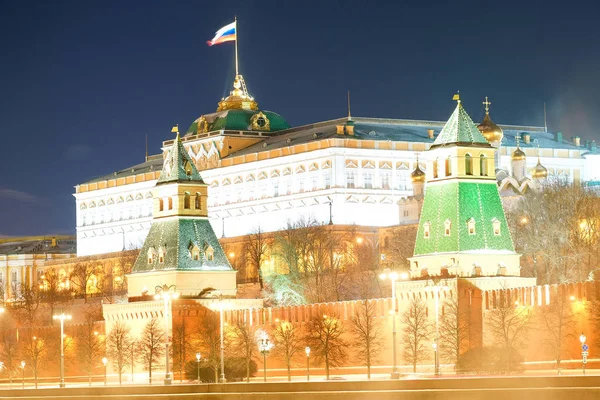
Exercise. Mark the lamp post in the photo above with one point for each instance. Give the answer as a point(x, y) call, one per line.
point(167, 293)
point(392, 276)
point(62, 317)
point(584, 351)
point(264, 345)
point(104, 361)
point(307, 350)
point(198, 356)
point(23, 368)
point(220, 306)
point(436, 287)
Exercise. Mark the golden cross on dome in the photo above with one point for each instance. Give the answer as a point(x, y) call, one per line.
point(487, 103)
point(518, 139)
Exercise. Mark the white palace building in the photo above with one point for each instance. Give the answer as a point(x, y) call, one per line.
point(349, 171)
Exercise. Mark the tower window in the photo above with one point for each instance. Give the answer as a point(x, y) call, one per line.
point(209, 253)
point(447, 226)
point(435, 168)
point(186, 201)
point(448, 167)
point(483, 165)
point(161, 255)
point(150, 255)
point(496, 225)
point(471, 226)
point(426, 228)
point(170, 203)
point(198, 201)
point(161, 205)
point(468, 165)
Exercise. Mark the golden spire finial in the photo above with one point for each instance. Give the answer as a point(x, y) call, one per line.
point(349, 115)
point(175, 129)
point(487, 103)
point(518, 139)
point(456, 97)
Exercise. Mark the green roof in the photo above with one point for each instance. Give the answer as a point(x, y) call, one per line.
point(238, 120)
point(458, 202)
point(460, 129)
point(176, 237)
point(178, 166)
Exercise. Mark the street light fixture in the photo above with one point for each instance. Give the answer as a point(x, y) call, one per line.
point(393, 276)
point(584, 351)
point(62, 317)
point(104, 361)
point(220, 305)
point(307, 350)
point(265, 346)
point(198, 356)
point(436, 287)
point(167, 293)
point(23, 368)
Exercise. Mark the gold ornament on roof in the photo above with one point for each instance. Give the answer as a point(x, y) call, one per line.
point(518, 154)
point(539, 172)
point(417, 176)
point(202, 125)
point(491, 131)
point(260, 122)
point(238, 98)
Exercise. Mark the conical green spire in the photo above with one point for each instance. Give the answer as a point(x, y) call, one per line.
point(178, 166)
point(460, 129)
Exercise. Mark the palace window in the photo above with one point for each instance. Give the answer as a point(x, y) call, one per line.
point(447, 226)
point(483, 165)
point(385, 180)
point(327, 179)
point(435, 168)
point(468, 165)
point(448, 167)
point(368, 177)
point(186, 201)
point(471, 226)
point(496, 225)
point(275, 189)
point(198, 201)
point(426, 228)
point(350, 179)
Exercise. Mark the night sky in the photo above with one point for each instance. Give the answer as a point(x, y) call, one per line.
point(82, 83)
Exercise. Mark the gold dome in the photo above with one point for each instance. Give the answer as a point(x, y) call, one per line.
point(539, 172)
point(417, 176)
point(518, 155)
point(491, 131)
point(238, 98)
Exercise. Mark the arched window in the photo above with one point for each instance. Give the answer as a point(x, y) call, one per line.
point(150, 255)
point(195, 253)
point(170, 203)
point(186, 201)
point(468, 165)
point(426, 228)
point(483, 165)
point(209, 253)
point(471, 226)
point(496, 225)
point(161, 205)
point(161, 255)
point(198, 202)
point(435, 168)
point(447, 227)
point(448, 167)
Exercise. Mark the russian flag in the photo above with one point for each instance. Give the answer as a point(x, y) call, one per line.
point(225, 34)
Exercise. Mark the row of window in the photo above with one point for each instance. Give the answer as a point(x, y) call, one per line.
point(194, 253)
point(470, 227)
point(483, 166)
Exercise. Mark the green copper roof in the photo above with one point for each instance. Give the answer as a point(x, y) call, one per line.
point(176, 237)
point(238, 120)
point(178, 166)
point(460, 128)
point(458, 202)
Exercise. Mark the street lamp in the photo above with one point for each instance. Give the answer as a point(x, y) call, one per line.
point(198, 356)
point(220, 306)
point(166, 293)
point(436, 287)
point(104, 361)
point(62, 317)
point(265, 346)
point(393, 276)
point(23, 368)
point(584, 351)
point(307, 350)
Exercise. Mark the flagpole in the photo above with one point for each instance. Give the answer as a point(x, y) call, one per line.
point(236, 45)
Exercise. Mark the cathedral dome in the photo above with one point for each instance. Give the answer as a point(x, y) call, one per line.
point(417, 176)
point(539, 172)
point(491, 131)
point(518, 155)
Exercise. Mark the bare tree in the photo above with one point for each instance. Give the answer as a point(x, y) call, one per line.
point(243, 342)
point(368, 339)
point(151, 345)
point(256, 249)
point(89, 344)
point(9, 355)
point(324, 336)
point(28, 304)
point(82, 277)
point(209, 340)
point(417, 332)
point(53, 290)
point(35, 351)
point(454, 330)
point(558, 322)
point(509, 324)
point(287, 343)
point(181, 344)
point(118, 344)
